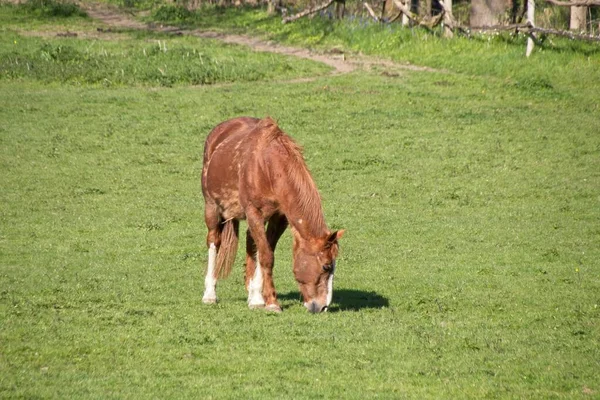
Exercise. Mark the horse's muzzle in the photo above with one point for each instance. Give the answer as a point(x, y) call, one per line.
point(315, 307)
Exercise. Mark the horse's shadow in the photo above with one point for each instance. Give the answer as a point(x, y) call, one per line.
point(346, 299)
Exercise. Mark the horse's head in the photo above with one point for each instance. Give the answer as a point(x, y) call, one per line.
point(314, 266)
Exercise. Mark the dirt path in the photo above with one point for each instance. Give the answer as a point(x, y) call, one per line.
point(340, 62)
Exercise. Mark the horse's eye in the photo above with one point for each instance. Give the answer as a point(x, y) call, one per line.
point(327, 267)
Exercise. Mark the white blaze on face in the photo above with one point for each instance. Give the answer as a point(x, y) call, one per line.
point(330, 286)
point(210, 282)
point(255, 286)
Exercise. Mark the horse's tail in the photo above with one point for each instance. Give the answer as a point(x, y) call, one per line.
point(228, 248)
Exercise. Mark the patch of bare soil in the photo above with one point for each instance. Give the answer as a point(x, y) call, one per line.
point(337, 62)
point(112, 17)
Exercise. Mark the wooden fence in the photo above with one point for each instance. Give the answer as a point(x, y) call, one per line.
point(451, 26)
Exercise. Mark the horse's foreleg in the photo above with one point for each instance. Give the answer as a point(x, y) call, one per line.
point(213, 241)
point(254, 281)
point(277, 225)
point(259, 270)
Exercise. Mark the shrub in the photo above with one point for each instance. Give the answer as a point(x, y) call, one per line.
point(53, 8)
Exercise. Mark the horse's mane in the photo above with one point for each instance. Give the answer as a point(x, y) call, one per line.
point(308, 198)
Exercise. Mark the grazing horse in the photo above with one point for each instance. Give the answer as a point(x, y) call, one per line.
point(254, 171)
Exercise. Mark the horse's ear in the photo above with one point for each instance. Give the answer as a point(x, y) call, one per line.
point(335, 236)
point(266, 122)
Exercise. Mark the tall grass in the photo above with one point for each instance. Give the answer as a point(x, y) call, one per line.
point(50, 9)
point(155, 60)
point(564, 63)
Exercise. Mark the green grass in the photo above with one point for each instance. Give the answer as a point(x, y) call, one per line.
point(40, 15)
point(556, 61)
point(149, 60)
point(135, 58)
point(469, 268)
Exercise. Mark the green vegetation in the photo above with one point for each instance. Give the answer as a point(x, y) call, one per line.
point(42, 15)
point(562, 62)
point(141, 59)
point(469, 268)
point(50, 9)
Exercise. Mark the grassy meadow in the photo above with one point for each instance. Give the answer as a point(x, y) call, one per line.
point(469, 267)
point(555, 62)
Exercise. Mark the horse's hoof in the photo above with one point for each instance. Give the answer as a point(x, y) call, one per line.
point(273, 308)
point(256, 306)
point(209, 300)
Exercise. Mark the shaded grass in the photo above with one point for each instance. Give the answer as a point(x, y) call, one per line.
point(42, 14)
point(43, 9)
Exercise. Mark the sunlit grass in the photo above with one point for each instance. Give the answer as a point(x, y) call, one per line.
point(562, 62)
point(158, 60)
point(132, 58)
point(469, 267)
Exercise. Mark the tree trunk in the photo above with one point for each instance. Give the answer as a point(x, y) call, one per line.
point(487, 12)
point(424, 9)
point(340, 8)
point(577, 22)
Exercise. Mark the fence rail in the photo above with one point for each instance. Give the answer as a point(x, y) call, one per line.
point(451, 26)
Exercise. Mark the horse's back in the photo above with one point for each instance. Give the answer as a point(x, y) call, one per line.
point(237, 126)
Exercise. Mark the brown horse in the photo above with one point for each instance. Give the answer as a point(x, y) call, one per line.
point(254, 171)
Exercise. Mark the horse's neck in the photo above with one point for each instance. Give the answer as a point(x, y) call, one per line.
point(302, 206)
point(305, 227)
point(304, 212)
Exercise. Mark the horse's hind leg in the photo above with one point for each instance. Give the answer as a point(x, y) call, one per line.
point(213, 241)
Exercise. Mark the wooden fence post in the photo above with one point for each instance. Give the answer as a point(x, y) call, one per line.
point(577, 19)
point(530, 21)
point(405, 20)
point(447, 5)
